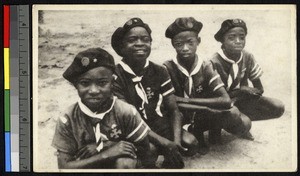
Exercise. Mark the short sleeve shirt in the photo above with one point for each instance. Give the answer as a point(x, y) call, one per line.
point(248, 69)
point(205, 80)
point(74, 129)
point(155, 81)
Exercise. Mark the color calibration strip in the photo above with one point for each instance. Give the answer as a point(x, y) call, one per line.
point(17, 88)
point(6, 20)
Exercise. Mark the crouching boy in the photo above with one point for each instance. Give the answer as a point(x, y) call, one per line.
point(236, 66)
point(148, 87)
point(199, 91)
point(99, 131)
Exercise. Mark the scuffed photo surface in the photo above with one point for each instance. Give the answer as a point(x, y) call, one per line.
point(60, 34)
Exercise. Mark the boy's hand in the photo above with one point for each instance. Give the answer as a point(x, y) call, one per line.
point(171, 151)
point(122, 148)
point(86, 151)
point(250, 91)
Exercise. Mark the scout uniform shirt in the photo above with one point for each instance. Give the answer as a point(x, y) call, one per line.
point(76, 128)
point(236, 74)
point(200, 83)
point(146, 92)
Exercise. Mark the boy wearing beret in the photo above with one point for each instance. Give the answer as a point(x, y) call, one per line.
point(199, 91)
point(148, 87)
point(236, 66)
point(99, 131)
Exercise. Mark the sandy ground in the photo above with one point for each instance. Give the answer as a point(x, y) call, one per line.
point(65, 33)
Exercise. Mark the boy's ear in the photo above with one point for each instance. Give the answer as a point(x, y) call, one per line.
point(199, 40)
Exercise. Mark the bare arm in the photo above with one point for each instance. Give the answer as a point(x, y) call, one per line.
point(169, 149)
point(176, 117)
point(122, 148)
point(221, 100)
point(258, 85)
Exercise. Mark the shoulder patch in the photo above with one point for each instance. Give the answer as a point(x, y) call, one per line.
point(133, 110)
point(63, 119)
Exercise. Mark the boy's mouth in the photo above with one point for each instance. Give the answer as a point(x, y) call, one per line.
point(94, 100)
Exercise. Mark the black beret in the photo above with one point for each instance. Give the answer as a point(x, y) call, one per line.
point(229, 24)
point(117, 37)
point(87, 60)
point(183, 24)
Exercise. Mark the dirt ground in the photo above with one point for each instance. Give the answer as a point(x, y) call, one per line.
point(65, 33)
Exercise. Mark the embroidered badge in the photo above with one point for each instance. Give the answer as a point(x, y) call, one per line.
point(85, 61)
point(115, 132)
point(190, 24)
point(129, 22)
point(236, 21)
point(199, 89)
point(149, 93)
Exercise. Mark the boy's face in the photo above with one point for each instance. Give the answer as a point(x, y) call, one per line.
point(136, 44)
point(185, 44)
point(234, 40)
point(94, 87)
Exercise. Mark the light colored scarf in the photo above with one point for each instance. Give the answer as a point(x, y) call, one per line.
point(196, 69)
point(99, 136)
point(234, 67)
point(138, 85)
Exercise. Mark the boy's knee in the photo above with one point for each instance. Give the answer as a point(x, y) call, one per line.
point(125, 163)
point(247, 123)
point(234, 113)
point(278, 109)
point(238, 123)
point(190, 142)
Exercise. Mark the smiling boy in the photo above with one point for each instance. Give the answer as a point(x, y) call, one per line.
point(199, 91)
point(99, 131)
point(236, 66)
point(148, 87)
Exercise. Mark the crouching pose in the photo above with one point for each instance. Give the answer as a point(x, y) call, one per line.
point(148, 87)
point(99, 131)
point(199, 91)
point(236, 66)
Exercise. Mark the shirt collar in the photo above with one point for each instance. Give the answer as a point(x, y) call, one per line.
point(197, 65)
point(88, 112)
point(224, 57)
point(128, 69)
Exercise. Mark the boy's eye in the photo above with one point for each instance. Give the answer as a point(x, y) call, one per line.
point(146, 39)
point(102, 82)
point(131, 39)
point(84, 83)
point(178, 44)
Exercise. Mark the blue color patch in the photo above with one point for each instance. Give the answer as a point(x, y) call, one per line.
point(7, 152)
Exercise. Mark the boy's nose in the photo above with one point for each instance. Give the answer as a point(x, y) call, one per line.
point(94, 89)
point(139, 42)
point(185, 47)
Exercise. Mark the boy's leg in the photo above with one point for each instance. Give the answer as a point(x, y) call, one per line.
point(262, 108)
point(125, 163)
point(236, 122)
point(190, 142)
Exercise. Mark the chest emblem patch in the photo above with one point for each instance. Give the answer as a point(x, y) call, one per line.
point(149, 93)
point(115, 132)
point(199, 89)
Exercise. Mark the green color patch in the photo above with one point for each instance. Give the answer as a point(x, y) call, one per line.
point(6, 110)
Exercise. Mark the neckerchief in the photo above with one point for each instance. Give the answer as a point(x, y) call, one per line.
point(96, 118)
point(234, 68)
point(189, 85)
point(138, 85)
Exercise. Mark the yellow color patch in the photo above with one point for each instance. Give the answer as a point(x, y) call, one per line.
point(6, 68)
